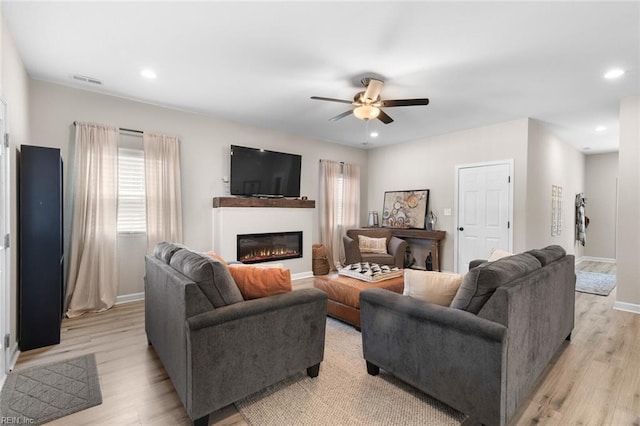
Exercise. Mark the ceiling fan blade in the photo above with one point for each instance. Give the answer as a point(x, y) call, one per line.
point(373, 89)
point(343, 115)
point(384, 117)
point(404, 102)
point(320, 98)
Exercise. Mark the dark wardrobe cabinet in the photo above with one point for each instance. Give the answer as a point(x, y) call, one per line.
point(40, 247)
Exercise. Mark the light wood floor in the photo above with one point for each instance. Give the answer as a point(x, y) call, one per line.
point(595, 380)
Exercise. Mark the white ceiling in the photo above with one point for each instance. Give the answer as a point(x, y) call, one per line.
point(258, 63)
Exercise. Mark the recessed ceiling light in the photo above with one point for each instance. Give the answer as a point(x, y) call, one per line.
point(586, 148)
point(147, 73)
point(373, 134)
point(600, 129)
point(614, 73)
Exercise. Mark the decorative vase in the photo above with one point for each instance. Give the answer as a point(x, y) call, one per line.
point(432, 219)
point(428, 263)
point(373, 219)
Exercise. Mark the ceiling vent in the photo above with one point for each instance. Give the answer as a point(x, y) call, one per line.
point(86, 79)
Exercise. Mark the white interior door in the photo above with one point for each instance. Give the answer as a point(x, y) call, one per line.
point(484, 211)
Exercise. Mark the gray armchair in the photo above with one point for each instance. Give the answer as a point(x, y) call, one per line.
point(395, 247)
point(216, 347)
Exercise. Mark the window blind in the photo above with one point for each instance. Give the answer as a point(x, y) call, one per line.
point(131, 192)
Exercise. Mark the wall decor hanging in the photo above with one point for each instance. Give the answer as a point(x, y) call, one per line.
point(556, 210)
point(405, 209)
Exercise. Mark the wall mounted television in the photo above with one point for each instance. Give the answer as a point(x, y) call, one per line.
point(261, 173)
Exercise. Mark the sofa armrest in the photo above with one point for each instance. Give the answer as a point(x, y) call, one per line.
point(397, 247)
point(476, 262)
point(351, 250)
point(445, 352)
point(239, 349)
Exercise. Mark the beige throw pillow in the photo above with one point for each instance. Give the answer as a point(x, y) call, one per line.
point(433, 287)
point(372, 245)
point(497, 253)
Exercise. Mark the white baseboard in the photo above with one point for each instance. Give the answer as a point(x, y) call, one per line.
point(13, 358)
point(627, 307)
point(301, 275)
point(595, 259)
point(128, 298)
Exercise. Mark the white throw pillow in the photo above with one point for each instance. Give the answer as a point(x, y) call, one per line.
point(372, 245)
point(433, 287)
point(496, 254)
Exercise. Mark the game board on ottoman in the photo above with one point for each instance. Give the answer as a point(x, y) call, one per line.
point(344, 293)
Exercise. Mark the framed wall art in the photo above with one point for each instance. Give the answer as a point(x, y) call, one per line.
point(556, 210)
point(405, 209)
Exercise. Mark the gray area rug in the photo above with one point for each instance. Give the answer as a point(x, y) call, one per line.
point(40, 394)
point(344, 394)
point(595, 283)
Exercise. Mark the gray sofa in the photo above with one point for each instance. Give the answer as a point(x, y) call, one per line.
point(216, 347)
point(483, 354)
point(395, 247)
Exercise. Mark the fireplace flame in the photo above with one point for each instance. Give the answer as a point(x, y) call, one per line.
point(254, 248)
point(269, 253)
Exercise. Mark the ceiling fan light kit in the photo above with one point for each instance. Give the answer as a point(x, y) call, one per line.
point(366, 112)
point(368, 103)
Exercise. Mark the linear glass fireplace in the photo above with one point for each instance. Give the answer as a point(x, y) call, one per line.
point(269, 246)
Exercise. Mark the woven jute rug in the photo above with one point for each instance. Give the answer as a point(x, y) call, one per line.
point(595, 282)
point(40, 394)
point(344, 394)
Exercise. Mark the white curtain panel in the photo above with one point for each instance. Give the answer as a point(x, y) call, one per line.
point(350, 203)
point(331, 231)
point(93, 281)
point(163, 190)
point(329, 173)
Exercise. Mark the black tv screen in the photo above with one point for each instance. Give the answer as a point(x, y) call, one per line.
point(258, 172)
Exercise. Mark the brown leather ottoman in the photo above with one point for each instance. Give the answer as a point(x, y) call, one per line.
point(344, 294)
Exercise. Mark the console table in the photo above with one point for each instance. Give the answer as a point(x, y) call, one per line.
point(434, 236)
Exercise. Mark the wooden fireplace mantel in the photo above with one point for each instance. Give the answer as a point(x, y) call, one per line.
point(262, 202)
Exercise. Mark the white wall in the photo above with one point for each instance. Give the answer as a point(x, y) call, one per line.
point(14, 91)
point(430, 164)
point(205, 143)
point(628, 242)
point(601, 190)
point(552, 161)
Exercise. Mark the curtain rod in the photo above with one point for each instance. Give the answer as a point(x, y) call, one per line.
point(122, 129)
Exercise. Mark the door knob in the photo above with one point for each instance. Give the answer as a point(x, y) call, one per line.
point(461, 229)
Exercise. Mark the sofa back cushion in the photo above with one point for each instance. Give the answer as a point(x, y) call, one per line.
point(210, 275)
point(165, 250)
point(481, 282)
point(548, 254)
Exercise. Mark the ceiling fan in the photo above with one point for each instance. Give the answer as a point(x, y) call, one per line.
point(368, 103)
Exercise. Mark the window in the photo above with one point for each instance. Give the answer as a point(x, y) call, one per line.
point(131, 193)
